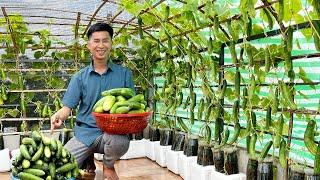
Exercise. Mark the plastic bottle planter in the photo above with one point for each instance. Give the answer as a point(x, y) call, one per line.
point(166, 136)
point(296, 172)
point(190, 147)
point(178, 141)
point(154, 134)
point(265, 170)
point(252, 169)
point(205, 157)
point(310, 174)
point(218, 159)
point(231, 161)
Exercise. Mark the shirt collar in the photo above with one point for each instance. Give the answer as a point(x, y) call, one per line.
point(110, 66)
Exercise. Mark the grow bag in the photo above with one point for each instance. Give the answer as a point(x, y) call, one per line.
point(178, 141)
point(138, 136)
point(1, 142)
point(296, 172)
point(265, 170)
point(154, 134)
point(190, 146)
point(166, 136)
point(64, 136)
point(207, 158)
point(231, 161)
point(218, 159)
point(200, 155)
point(252, 169)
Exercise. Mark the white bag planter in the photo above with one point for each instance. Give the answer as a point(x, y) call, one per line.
point(150, 149)
point(217, 175)
point(5, 164)
point(11, 142)
point(137, 149)
point(185, 165)
point(198, 172)
point(160, 153)
point(173, 160)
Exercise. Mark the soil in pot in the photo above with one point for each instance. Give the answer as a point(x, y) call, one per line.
point(252, 169)
point(138, 136)
point(310, 174)
point(218, 160)
point(166, 136)
point(296, 172)
point(207, 157)
point(265, 169)
point(231, 160)
point(178, 141)
point(191, 146)
point(154, 134)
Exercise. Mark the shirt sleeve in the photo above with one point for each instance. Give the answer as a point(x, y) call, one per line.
point(71, 97)
point(129, 79)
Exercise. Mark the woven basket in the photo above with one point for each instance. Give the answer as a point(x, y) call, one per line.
point(122, 123)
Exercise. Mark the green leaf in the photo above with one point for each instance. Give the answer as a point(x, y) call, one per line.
point(303, 95)
point(13, 112)
point(302, 74)
point(257, 29)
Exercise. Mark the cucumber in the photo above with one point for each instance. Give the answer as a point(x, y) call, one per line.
point(265, 150)
point(52, 170)
point(67, 167)
point(29, 141)
point(309, 137)
point(268, 118)
point(237, 129)
point(25, 164)
point(283, 153)
point(279, 130)
point(63, 153)
point(39, 152)
point(99, 102)
point(137, 98)
point(108, 102)
point(122, 110)
point(136, 111)
point(59, 149)
point(125, 92)
point(98, 109)
point(53, 145)
point(47, 152)
point(39, 162)
point(24, 152)
point(36, 172)
point(46, 140)
point(120, 98)
point(28, 176)
point(252, 150)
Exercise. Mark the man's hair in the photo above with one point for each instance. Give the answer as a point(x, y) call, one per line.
point(100, 27)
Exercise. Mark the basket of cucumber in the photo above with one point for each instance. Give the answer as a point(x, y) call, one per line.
point(119, 111)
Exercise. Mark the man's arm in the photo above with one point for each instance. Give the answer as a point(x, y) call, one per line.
point(58, 117)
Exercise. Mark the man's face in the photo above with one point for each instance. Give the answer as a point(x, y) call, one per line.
point(100, 45)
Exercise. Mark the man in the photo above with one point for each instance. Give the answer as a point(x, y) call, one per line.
point(85, 89)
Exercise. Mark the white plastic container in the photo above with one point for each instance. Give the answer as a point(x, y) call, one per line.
point(185, 165)
point(150, 149)
point(137, 149)
point(173, 160)
point(198, 172)
point(217, 175)
point(11, 142)
point(160, 153)
point(5, 164)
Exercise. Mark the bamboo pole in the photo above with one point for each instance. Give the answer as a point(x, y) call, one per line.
point(76, 40)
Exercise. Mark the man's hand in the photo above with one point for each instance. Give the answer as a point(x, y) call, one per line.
point(56, 122)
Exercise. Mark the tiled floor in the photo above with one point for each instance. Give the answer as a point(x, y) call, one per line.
point(133, 169)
